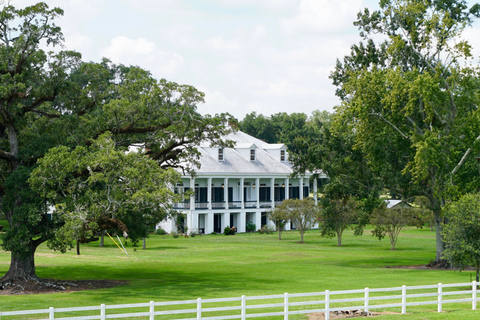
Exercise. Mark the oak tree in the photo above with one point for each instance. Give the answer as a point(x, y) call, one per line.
point(56, 109)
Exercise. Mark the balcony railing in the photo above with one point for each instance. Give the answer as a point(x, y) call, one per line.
point(218, 205)
point(265, 204)
point(234, 204)
point(181, 205)
point(251, 204)
point(221, 205)
point(201, 205)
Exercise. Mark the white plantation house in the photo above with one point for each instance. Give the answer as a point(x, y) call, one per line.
point(235, 186)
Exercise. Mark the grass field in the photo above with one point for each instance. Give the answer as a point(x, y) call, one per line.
point(216, 266)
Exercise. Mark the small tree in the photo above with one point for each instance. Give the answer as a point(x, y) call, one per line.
point(391, 221)
point(280, 216)
point(462, 233)
point(302, 213)
point(336, 215)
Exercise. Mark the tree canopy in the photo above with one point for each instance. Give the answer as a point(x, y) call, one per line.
point(412, 101)
point(66, 126)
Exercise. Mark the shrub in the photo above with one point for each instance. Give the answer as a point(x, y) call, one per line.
point(193, 232)
point(250, 227)
point(229, 231)
point(266, 229)
point(160, 232)
point(175, 234)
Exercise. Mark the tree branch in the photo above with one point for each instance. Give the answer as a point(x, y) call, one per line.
point(462, 161)
point(391, 124)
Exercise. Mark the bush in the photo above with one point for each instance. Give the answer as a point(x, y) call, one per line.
point(229, 231)
point(193, 232)
point(266, 229)
point(250, 227)
point(175, 234)
point(160, 232)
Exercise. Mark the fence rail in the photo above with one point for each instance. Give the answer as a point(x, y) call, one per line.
point(276, 306)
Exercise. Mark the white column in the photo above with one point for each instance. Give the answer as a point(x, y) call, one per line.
point(272, 192)
point(257, 184)
point(226, 220)
point(209, 193)
point(225, 192)
point(258, 219)
point(192, 197)
point(209, 223)
point(242, 193)
point(315, 190)
point(287, 188)
point(301, 188)
point(192, 222)
point(242, 224)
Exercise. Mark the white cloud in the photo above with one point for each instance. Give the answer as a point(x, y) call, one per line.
point(144, 53)
point(219, 43)
point(323, 16)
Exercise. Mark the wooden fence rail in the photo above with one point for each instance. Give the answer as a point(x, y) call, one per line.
point(271, 306)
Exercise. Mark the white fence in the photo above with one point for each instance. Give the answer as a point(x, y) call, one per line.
point(272, 306)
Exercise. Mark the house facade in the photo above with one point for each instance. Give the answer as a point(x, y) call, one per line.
point(238, 186)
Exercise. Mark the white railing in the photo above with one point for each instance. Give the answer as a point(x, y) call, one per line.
point(273, 305)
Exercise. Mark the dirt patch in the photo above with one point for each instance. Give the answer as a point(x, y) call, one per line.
point(347, 314)
point(20, 287)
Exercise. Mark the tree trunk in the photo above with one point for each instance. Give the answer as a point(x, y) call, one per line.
point(102, 240)
point(440, 245)
point(144, 243)
point(339, 239)
point(21, 267)
point(78, 247)
point(301, 237)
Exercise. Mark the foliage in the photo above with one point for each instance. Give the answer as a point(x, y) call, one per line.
point(53, 100)
point(302, 213)
point(160, 232)
point(390, 221)
point(462, 233)
point(250, 227)
point(330, 147)
point(411, 102)
point(228, 231)
point(174, 234)
point(336, 215)
point(280, 216)
point(266, 229)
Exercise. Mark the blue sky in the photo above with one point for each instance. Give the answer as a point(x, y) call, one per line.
point(266, 56)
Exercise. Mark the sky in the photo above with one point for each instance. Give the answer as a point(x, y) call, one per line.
point(266, 56)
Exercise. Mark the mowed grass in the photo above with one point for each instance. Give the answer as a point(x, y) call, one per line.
point(217, 266)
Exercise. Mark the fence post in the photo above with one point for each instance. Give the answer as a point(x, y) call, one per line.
point(199, 308)
point(366, 300)
point(439, 297)
point(51, 313)
point(404, 299)
point(102, 312)
point(152, 310)
point(327, 305)
point(285, 306)
point(244, 307)
point(474, 295)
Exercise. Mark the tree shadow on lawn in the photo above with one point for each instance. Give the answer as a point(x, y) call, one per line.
point(176, 285)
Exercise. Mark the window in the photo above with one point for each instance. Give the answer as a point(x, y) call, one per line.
point(282, 155)
point(252, 155)
point(220, 155)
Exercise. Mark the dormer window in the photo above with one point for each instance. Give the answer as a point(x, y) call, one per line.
point(282, 155)
point(220, 155)
point(252, 155)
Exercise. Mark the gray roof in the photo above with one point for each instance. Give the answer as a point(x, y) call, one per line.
point(236, 162)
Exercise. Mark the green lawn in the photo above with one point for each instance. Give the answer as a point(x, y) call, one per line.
point(216, 266)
